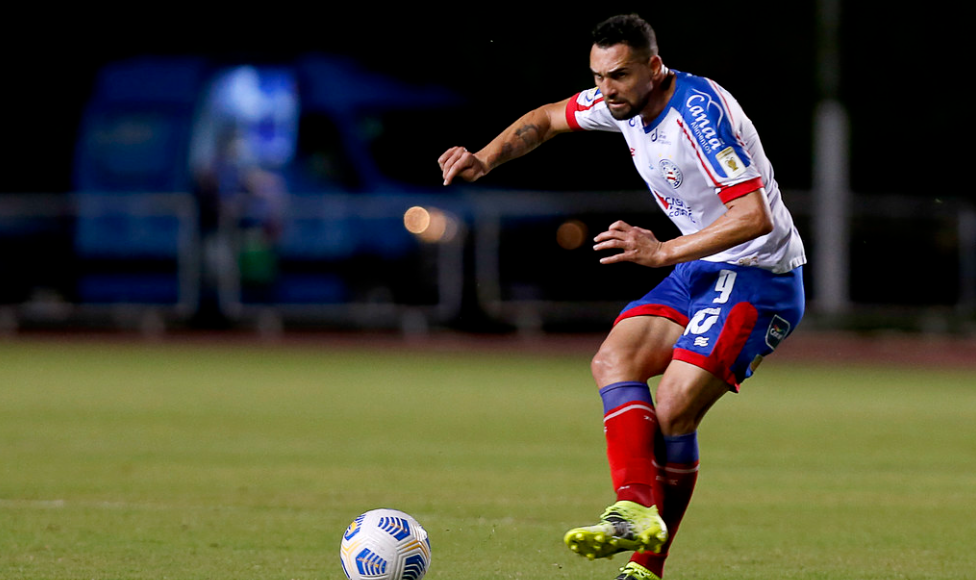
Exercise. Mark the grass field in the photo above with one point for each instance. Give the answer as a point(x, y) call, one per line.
point(236, 462)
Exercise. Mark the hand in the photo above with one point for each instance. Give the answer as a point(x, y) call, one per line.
point(637, 244)
point(459, 162)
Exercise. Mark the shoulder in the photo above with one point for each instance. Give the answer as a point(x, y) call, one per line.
point(699, 97)
point(707, 112)
point(714, 126)
point(587, 111)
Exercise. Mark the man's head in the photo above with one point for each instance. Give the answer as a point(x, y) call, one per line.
point(628, 29)
point(625, 64)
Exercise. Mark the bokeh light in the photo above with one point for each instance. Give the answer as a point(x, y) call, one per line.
point(571, 234)
point(431, 224)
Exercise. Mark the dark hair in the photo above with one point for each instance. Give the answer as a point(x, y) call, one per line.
point(629, 29)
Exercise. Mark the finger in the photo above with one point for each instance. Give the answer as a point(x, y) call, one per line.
point(457, 165)
point(454, 165)
point(620, 225)
point(610, 244)
point(447, 155)
point(611, 234)
point(615, 234)
point(614, 259)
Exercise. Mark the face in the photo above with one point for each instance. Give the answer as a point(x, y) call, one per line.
point(624, 79)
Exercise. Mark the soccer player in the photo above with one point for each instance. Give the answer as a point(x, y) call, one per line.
point(735, 292)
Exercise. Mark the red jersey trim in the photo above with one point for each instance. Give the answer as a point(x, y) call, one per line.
point(654, 310)
point(571, 117)
point(573, 107)
point(731, 192)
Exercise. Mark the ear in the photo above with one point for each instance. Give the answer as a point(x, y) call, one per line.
point(656, 64)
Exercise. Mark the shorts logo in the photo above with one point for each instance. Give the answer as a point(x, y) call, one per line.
point(703, 320)
point(778, 329)
point(672, 173)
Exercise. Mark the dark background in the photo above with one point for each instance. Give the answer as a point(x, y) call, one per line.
point(894, 61)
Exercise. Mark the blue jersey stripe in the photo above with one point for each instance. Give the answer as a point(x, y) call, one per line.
point(707, 119)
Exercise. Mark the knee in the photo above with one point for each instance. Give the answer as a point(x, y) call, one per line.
point(603, 366)
point(612, 365)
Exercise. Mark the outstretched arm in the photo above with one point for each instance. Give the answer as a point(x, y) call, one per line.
point(531, 130)
point(746, 218)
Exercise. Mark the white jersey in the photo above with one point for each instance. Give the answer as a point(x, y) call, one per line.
point(699, 153)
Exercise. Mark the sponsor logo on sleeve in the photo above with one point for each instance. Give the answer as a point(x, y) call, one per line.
point(730, 162)
point(703, 125)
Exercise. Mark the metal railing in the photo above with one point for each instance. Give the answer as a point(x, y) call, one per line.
point(347, 260)
point(923, 228)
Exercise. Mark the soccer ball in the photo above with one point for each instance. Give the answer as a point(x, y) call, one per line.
point(385, 544)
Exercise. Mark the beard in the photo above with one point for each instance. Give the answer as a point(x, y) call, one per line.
point(631, 110)
point(622, 114)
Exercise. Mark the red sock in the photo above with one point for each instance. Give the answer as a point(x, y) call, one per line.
point(678, 476)
point(630, 424)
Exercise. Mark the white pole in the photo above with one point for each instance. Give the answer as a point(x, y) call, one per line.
point(831, 173)
point(832, 209)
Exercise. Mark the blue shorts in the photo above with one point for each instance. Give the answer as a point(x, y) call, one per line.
point(733, 315)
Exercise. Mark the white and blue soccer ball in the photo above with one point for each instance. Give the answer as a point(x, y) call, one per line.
point(385, 544)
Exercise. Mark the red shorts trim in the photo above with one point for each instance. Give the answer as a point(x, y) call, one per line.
point(654, 310)
point(709, 364)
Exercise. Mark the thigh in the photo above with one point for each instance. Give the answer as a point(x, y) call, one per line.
point(638, 348)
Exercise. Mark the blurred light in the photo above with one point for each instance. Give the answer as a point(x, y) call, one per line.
point(431, 224)
point(571, 234)
point(416, 220)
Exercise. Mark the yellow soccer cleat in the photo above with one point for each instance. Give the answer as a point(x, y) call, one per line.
point(624, 526)
point(634, 571)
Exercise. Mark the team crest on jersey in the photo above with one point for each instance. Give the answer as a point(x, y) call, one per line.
point(672, 173)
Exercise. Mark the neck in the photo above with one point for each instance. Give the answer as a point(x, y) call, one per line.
point(660, 95)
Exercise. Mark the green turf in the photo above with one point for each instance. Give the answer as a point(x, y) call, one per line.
point(210, 462)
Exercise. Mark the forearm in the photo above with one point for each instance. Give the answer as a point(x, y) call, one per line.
point(746, 220)
point(718, 237)
point(531, 130)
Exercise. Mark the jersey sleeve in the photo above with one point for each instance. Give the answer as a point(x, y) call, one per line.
point(587, 112)
point(717, 127)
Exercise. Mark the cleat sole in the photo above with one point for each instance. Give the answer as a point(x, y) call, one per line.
point(602, 541)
